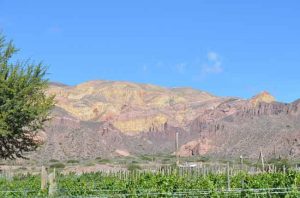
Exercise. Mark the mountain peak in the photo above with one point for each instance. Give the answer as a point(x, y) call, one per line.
point(262, 97)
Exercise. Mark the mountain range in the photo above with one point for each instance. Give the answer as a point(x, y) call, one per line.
point(111, 118)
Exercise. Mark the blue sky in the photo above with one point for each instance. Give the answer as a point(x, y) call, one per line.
point(228, 48)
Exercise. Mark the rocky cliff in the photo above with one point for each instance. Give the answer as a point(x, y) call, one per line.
point(104, 118)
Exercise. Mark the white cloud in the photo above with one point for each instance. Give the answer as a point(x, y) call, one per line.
point(213, 64)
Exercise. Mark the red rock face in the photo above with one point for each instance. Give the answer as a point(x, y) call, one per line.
point(196, 147)
point(238, 127)
point(98, 118)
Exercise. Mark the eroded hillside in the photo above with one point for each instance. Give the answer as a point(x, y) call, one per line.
point(105, 118)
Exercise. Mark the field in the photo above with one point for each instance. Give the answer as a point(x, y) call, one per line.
point(164, 183)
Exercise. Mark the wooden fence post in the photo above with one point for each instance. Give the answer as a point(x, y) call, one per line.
point(262, 160)
point(228, 177)
point(176, 148)
point(44, 176)
point(242, 163)
point(52, 184)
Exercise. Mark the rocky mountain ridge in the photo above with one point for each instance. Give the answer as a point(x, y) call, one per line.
point(102, 118)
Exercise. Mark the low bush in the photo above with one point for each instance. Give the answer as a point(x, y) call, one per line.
point(57, 165)
point(53, 160)
point(103, 161)
point(132, 167)
point(72, 161)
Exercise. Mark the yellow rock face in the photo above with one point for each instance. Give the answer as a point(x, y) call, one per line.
point(166, 100)
point(114, 101)
point(262, 97)
point(136, 125)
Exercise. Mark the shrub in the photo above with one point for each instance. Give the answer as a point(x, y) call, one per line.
point(203, 159)
point(90, 164)
point(132, 167)
point(103, 161)
point(57, 165)
point(53, 160)
point(145, 158)
point(72, 161)
point(166, 161)
point(280, 164)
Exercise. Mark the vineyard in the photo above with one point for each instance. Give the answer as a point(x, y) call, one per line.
point(167, 183)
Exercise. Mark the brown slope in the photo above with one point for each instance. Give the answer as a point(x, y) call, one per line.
point(100, 118)
point(273, 127)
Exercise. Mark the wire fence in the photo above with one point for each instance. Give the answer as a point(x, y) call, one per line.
point(190, 173)
point(261, 192)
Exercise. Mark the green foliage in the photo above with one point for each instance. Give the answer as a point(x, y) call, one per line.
point(103, 161)
point(90, 164)
point(21, 186)
point(147, 184)
point(72, 161)
point(57, 165)
point(24, 106)
point(203, 159)
point(165, 160)
point(53, 160)
point(280, 164)
point(132, 167)
point(146, 158)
